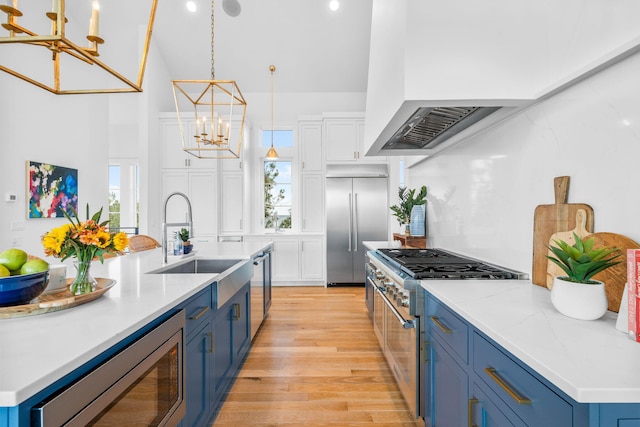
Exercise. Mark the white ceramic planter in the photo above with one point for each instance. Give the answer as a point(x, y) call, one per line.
point(579, 300)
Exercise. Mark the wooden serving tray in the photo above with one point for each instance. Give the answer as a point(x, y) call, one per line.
point(55, 301)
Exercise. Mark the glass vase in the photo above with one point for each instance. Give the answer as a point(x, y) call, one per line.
point(84, 282)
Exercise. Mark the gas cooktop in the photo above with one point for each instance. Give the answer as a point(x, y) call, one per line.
point(440, 264)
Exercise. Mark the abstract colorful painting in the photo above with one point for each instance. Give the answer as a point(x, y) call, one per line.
point(52, 190)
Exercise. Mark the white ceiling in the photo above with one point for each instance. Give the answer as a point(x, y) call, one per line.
point(313, 48)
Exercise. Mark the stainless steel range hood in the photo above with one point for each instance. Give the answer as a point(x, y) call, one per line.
point(430, 126)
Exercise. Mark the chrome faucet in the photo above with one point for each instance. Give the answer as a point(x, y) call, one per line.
point(189, 223)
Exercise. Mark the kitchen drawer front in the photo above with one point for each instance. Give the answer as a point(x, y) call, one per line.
point(198, 309)
point(453, 331)
point(522, 392)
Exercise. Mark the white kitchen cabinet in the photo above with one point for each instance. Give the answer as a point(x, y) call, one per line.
point(312, 203)
point(173, 156)
point(310, 141)
point(311, 258)
point(286, 258)
point(344, 139)
point(231, 197)
point(200, 188)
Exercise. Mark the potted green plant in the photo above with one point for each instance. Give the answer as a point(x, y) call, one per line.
point(186, 244)
point(408, 200)
point(577, 294)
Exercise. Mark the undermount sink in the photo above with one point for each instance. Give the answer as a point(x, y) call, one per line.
point(198, 265)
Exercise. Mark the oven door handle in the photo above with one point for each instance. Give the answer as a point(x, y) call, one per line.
point(406, 324)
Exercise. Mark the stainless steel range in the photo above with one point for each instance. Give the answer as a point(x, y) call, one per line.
point(396, 303)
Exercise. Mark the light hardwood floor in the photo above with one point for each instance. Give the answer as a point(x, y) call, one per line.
point(315, 362)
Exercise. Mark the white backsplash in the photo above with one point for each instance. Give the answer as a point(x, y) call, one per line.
point(483, 191)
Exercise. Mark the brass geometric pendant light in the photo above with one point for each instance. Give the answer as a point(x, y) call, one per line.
point(211, 114)
point(49, 48)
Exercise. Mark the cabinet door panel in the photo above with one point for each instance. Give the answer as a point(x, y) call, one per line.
point(312, 261)
point(285, 259)
point(202, 186)
point(450, 389)
point(198, 376)
point(310, 137)
point(231, 189)
point(222, 356)
point(171, 182)
point(312, 203)
point(341, 136)
point(485, 412)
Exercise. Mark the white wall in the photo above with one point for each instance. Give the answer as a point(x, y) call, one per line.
point(68, 131)
point(483, 191)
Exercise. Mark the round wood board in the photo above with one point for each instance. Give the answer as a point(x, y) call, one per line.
point(614, 278)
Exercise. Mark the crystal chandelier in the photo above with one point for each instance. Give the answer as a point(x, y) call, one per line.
point(211, 114)
point(31, 49)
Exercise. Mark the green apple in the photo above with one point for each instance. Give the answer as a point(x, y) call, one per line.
point(34, 266)
point(13, 258)
point(4, 271)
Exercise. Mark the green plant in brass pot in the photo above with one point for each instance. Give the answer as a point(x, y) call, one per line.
point(408, 199)
point(577, 294)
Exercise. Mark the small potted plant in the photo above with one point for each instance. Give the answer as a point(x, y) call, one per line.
point(577, 294)
point(408, 200)
point(186, 244)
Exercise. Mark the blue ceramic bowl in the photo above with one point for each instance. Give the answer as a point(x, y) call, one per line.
point(17, 290)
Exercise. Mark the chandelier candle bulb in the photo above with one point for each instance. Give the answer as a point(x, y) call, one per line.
point(54, 6)
point(94, 22)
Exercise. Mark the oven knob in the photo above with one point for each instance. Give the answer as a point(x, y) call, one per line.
point(379, 275)
point(404, 300)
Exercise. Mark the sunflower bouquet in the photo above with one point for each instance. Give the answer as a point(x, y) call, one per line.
point(85, 241)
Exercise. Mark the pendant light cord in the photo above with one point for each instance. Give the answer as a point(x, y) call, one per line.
point(213, 72)
point(272, 68)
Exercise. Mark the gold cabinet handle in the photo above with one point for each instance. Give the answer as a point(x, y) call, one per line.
point(444, 329)
point(200, 313)
point(470, 404)
point(520, 399)
point(236, 311)
point(211, 348)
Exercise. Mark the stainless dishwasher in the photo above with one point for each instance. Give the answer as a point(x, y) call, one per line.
point(260, 289)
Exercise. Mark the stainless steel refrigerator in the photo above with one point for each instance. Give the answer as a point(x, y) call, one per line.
point(357, 210)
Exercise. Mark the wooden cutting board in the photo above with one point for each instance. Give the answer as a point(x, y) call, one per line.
point(614, 278)
point(553, 269)
point(549, 219)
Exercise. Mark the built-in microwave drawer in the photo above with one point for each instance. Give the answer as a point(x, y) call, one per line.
point(453, 331)
point(533, 401)
point(197, 309)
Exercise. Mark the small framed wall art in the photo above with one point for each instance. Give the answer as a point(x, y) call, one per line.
point(52, 190)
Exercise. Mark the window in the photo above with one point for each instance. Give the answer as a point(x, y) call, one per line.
point(114, 197)
point(282, 138)
point(124, 212)
point(277, 194)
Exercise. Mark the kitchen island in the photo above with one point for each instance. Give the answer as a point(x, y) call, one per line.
point(39, 350)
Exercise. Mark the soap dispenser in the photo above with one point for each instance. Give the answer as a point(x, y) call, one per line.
point(178, 245)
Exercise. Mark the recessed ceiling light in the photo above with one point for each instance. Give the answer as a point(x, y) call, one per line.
point(334, 5)
point(191, 6)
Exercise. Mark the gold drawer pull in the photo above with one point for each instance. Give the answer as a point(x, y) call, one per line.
point(444, 329)
point(200, 313)
point(470, 404)
point(520, 399)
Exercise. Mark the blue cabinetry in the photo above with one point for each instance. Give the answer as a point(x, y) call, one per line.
point(471, 380)
point(232, 339)
point(198, 369)
point(217, 342)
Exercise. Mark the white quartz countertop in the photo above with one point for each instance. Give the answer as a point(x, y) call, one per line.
point(590, 361)
point(38, 350)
